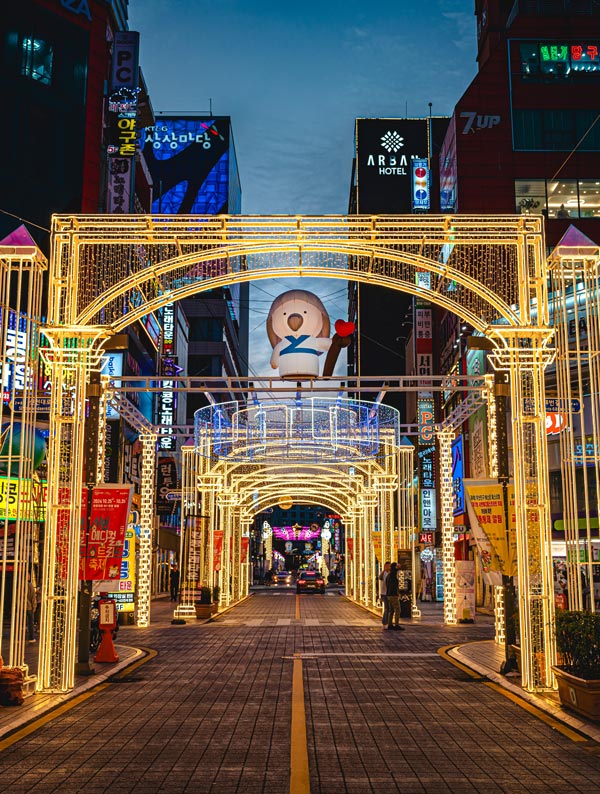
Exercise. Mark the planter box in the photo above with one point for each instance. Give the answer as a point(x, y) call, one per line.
point(579, 694)
point(204, 611)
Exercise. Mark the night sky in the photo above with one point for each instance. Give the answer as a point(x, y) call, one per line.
point(293, 77)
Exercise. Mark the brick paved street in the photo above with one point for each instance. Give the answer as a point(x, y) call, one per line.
point(384, 712)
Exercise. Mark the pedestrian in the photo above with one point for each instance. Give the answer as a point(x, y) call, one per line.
point(30, 610)
point(393, 597)
point(383, 592)
point(174, 582)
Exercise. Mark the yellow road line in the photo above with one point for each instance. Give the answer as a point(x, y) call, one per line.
point(297, 607)
point(444, 653)
point(553, 722)
point(44, 719)
point(299, 775)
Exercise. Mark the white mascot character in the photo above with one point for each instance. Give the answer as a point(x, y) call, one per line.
point(298, 328)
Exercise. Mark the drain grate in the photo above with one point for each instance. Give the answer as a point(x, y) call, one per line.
point(127, 679)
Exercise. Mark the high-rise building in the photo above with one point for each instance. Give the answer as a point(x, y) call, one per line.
point(525, 138)
point(525, 135)
point(56, 61)
point(394, 172)
point(194, 169)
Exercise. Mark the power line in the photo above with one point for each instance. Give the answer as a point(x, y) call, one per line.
point(577, 145)
point(24, 220)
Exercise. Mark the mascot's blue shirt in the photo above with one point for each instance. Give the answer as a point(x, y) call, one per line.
point(295, 346)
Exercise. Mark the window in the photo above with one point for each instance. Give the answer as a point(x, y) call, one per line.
point(589, 198)
point(556, 130)
point(559, 61)
point(530, 196)
point(36, 60)
point(205, 329)
point(563, 198)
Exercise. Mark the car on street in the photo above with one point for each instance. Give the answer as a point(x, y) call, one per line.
point(310, 582)
point(283, 578)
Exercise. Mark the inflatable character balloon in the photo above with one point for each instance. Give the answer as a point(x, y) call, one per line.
point(298, 328)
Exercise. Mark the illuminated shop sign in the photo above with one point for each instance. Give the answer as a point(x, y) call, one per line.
point(16, 375)
point(420, 181)
point(385, 151)
point(189, 162)
point(113, 367)
point(168, 323)
point(152, 327)
point(428, 510)
point(558, 59)
point(425, 418)
point(122, 123)
point(458, 473)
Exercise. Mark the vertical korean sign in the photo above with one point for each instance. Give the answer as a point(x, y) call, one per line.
point(109, 517)
point(122, 122)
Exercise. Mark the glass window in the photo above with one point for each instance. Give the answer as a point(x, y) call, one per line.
point(530, 196)
point(556, 130)
point(205, 329)
point(36, 60)
point(589, 198)
point(530, 61)
point(562, 199)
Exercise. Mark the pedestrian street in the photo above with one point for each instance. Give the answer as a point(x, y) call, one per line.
point(372, 711)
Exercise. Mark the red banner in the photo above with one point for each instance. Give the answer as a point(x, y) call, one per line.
point(244, 550)
point(350, 547)
point(108, 521)
point(217, 549)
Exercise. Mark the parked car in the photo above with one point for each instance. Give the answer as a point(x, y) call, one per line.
point(310, 582)
point(283, 578)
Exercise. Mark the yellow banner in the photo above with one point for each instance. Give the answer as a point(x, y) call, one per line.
point(21, 499)
point(487, 508)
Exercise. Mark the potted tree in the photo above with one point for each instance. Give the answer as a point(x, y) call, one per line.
point(578, 675)
point(205, 606)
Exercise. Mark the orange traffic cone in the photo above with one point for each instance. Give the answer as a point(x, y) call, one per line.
point(106, 652)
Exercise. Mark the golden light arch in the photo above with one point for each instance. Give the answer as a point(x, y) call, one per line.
point(106, 271)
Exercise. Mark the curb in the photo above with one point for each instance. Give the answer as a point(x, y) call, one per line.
point(539, 702)
point(55, 701)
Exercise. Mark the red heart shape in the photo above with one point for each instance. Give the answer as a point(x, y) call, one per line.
point(344, 328)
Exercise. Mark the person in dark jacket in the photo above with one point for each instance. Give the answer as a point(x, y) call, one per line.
point(393, 598)
point(174, 582)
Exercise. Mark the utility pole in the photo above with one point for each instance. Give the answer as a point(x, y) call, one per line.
point(90, 453)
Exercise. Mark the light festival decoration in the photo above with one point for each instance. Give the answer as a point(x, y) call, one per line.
point(298, 329)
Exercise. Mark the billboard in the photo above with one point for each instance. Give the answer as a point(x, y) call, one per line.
point(385, 149)
point(188, 158)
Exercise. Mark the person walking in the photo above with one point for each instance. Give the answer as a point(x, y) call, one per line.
point(174, 582)
point(30, 609)
point(383, 574)
point(393, 598)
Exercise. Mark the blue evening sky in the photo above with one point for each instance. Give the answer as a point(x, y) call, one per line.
point(293, 76)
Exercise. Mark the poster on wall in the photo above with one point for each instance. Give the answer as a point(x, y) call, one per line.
point(465, 590)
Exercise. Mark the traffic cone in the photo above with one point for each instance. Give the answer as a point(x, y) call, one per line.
point(106, 652)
